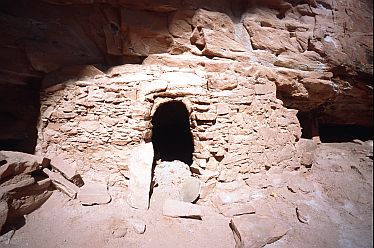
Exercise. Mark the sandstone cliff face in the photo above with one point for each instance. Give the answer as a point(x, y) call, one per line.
point(317, 53)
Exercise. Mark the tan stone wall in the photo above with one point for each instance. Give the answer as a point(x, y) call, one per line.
point(238, 124)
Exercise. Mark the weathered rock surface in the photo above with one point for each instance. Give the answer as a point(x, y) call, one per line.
point(140, 168)
point(175, 181)
point(28, 199)
point(175, 208)
point(15, 183)
point(339, 211)
point(3, 213)
point(190, 190)
point(68, 170)
point(138, 225)
point(21, 192)
point(15, 163)
point(307, 148)
point(257, 231)
point(119, 231)
point(237, 209)
point(62, 183)
point(93, 193)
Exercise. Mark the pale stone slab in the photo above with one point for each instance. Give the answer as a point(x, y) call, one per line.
point(237, 209)
point(205, 116)
point(152, 87)
point(62, 183)
point(93, 193)
point(68, 170)
point(222, 108)
point(263, 89)
point(190, 189)
point(238, 196)
point(127, 78)
point(256, 231)
point(174, 208)
point(140, 169)
point(183, 79)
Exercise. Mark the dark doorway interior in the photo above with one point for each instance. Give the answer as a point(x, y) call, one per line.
point(19, 113)
point(171, 134)
point(308, 124)
point(344, 133)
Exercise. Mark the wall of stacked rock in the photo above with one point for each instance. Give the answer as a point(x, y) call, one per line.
point(238, 125)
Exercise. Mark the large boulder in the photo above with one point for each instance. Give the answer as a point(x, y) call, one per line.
point(15, 163)
point(20, 191)
point(3, 213)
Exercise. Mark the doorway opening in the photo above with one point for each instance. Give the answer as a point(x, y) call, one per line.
point(171, 134)
point(344, 133)
point(308, 124)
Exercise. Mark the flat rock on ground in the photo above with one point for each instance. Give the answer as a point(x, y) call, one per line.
point(93, 193)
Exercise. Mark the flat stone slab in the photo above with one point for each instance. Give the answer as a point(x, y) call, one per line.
point(60, 182)
point(93, 193)
point(140, 169)
point(257, 231)
point(68, 170)
point(174, 208)
point(236, 209)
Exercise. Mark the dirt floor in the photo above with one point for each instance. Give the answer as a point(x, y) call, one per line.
point(329, 205)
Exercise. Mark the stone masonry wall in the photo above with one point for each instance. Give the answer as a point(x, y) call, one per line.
point(238, 124)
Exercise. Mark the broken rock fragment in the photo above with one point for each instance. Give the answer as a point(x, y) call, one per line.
point(252, 231)
point(93, 193)
point(302, 214)
point(119, 232)
point(237, 209)
point(174, 208)
point(15, 183)
point(15, 163)
point(138, 225)
point(69, 170)
point(190, 189)
point(62, 183)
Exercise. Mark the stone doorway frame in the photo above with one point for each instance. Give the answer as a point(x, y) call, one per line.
point(163, 100)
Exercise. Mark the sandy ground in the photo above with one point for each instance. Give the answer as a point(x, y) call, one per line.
point(334, 200)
